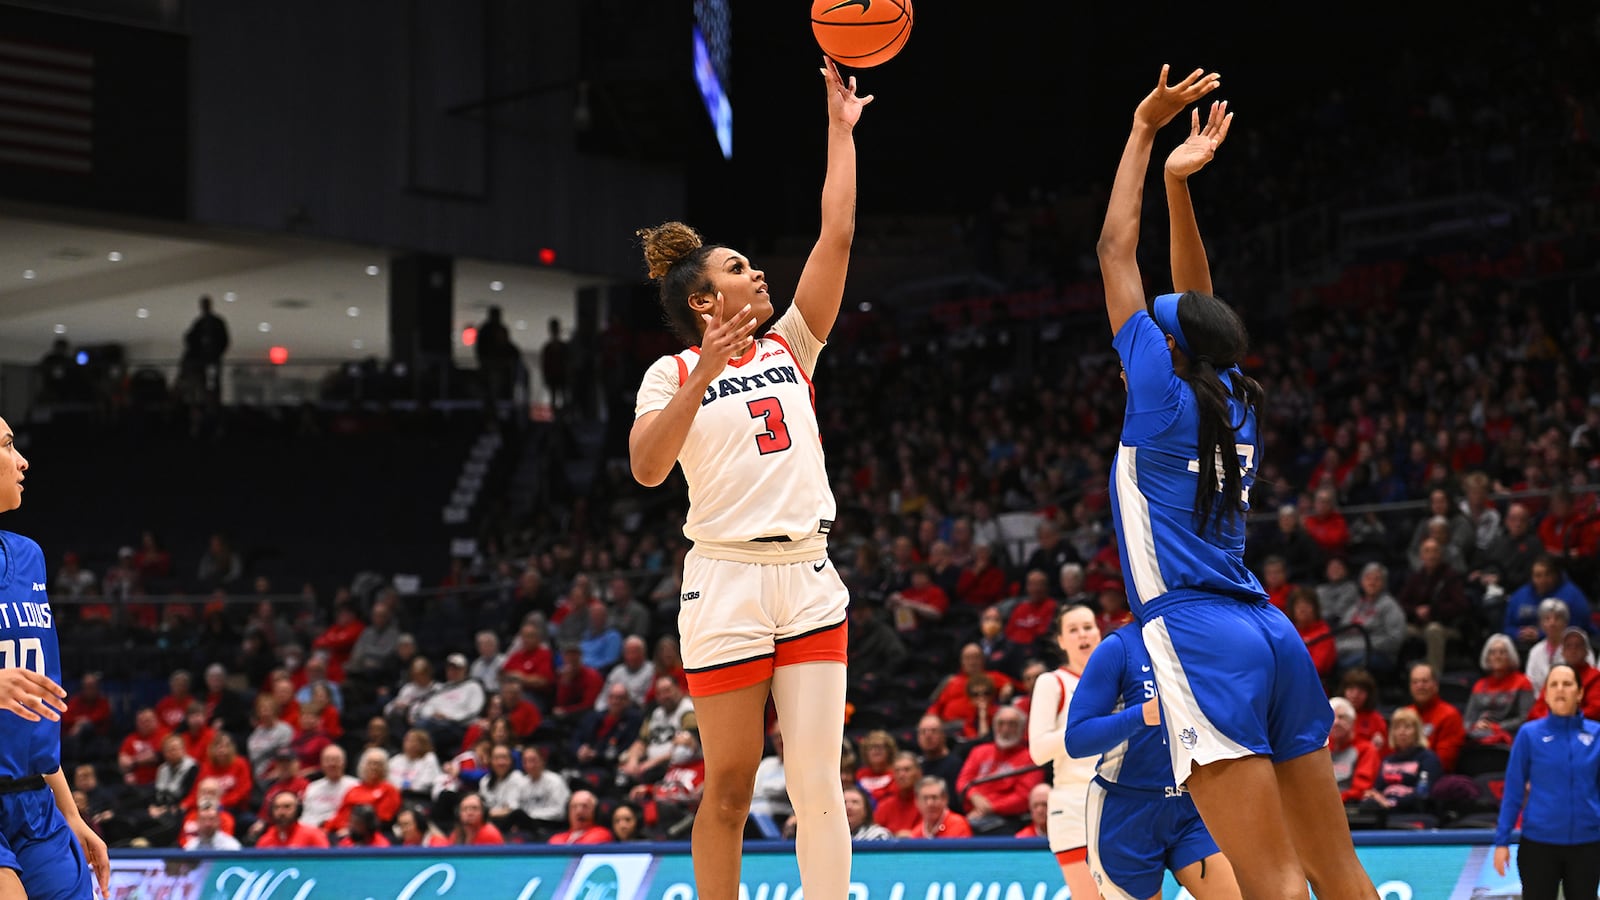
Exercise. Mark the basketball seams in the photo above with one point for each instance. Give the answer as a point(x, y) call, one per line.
point(841, 40)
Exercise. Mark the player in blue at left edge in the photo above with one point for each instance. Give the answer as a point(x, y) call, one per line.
point(47, 851)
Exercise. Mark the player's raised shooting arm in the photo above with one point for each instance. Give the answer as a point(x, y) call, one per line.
point(1119, 236)
point(1118, 247)
point(820, 289)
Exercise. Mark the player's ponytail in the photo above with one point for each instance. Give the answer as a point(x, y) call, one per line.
point(1217, 342)
point(675, 257)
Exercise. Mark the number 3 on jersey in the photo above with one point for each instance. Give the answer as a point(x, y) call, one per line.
point(776, 438)
point(26, 652)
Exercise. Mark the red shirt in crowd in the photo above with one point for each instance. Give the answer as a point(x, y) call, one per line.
point(338, 640)
point(1589, 680)
point(537, 664)
point(981, 589)
point(1030, 619)
point(488, 834)
point(383, 797)
point(172, 711)
point(1361, 770)
point(1006, 796)
point(135, 745)
point(299, 835)
point(96, 712)
point(1442, 726)
point(952, 826)
point(1329, 530)
point(1373, 728)
point(235, 781)
point(898, 812)
point(1319, 641)
point(195, 744)
point(879, 784)
point(578, 693)
point(594, 834)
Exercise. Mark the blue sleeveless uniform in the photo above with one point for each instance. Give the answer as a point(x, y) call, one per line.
point(1234, 676)
point(1139, 821)
point(34, 838)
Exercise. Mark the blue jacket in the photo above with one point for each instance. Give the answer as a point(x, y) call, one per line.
point(1556, 762)
point(1522, 607)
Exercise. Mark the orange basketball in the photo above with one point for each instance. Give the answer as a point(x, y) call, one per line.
point(861, 33)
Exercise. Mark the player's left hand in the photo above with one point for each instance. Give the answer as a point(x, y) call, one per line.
point(30, 695)
point(844, 106)
point(1192, 155)
point(94, 850)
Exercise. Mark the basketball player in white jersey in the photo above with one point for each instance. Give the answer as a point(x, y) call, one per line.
point(1077, 635)
point(763, 612)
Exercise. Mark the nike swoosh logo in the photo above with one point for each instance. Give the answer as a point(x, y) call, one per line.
point(864, 4)
point(823, 564)
point(1548, 738)
point(1144, 668)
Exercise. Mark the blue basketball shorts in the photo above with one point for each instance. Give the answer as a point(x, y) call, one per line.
point(1235, 680)
point(36, 842)
point(1135, 836)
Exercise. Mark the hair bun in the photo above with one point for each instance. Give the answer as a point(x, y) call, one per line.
point(665, 244)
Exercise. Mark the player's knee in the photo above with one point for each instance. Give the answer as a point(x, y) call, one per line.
point(813, 788)
point(725, 809)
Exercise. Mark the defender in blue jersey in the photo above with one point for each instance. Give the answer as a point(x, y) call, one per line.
point(1140, 822)
point(1246, 717)
point(46, 849)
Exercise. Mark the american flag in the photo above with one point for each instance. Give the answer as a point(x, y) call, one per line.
point(46, 106)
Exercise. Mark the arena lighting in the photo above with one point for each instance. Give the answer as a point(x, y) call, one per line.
point(82, 357)
point(278, 355)
point(547, 256)
point(469, 336)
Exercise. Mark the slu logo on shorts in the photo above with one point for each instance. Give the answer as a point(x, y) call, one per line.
point(1188, 738)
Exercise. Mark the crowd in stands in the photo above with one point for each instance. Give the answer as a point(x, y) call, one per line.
point(1424, 511)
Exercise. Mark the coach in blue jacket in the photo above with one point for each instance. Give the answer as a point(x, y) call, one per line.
point(1557, 758)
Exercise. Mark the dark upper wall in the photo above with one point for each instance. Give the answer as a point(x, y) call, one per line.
point(334, 119)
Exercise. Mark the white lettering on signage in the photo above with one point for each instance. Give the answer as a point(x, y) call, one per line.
point(1399, 889)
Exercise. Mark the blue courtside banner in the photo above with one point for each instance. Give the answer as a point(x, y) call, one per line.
point(1423, 866)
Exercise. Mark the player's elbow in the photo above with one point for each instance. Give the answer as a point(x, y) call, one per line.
point(646, 475)
point(1112, 246)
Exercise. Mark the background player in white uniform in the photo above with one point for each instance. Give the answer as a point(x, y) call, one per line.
point(763, 613)
point(47, 851)
point(1077, 635)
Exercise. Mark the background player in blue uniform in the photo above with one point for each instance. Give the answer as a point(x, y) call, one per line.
point(46, 849)
point(1246, 717)
point(1139, 821)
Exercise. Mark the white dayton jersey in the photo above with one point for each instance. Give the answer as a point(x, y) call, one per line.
point(1047, 729)
point(753, 457)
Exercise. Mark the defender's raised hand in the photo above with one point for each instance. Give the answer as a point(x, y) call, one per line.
point(1166, 101)
point(1198, 149)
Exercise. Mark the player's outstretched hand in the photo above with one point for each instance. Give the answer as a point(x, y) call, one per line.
point(724, 338)
point(844, 106)
point(94, 852)
point(1152, 711)
point(1198, 149)
point(31, 695)
point(1165, 102)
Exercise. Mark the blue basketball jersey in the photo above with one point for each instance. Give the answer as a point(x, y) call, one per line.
point(1107, 715)
point(1167, 557)
point(27, 640)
